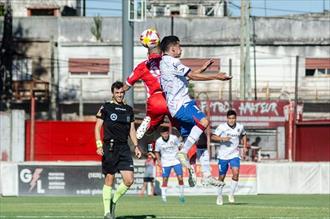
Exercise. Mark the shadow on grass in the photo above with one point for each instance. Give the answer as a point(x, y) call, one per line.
point(236, 204)
point(137, 216)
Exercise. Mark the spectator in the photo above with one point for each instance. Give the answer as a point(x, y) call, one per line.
point(149, 174)
point(255, 148)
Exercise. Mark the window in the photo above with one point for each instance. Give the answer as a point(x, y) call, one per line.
point(175, 13)
point(317, 67)
point(159, 11)
point(209, 11)
point(193, 9)
point(43, 11)
point(195, 63)
point(86, 66)
point(22, 69)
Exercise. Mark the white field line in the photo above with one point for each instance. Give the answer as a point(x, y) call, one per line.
point(147, 217)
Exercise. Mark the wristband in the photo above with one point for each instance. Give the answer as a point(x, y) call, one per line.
point(99, 143)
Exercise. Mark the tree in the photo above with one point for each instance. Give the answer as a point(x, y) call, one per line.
point(97, 28)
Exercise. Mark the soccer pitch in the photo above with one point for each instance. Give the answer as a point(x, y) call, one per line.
point(203, 207)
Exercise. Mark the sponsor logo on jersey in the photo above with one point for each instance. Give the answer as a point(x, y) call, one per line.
point(113, 117)
point(122, 109)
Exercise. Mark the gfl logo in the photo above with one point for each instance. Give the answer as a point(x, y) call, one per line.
point(26, 176)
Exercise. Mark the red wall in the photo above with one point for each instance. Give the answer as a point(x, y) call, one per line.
point(60, 140)
point(313, 141)
point(74, 141)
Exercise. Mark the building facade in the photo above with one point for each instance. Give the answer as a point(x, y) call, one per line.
point(210, 8)
point(67, 43)
point(45, 7)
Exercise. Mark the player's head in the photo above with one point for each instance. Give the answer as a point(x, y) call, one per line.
point(231, 117)
point(118, 92)
point(155, 50)
point(164, 132)
point(170, 45)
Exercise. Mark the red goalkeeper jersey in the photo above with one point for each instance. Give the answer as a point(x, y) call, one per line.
point(148, 71)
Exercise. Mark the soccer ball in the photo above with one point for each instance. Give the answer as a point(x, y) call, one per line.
point(150, 38)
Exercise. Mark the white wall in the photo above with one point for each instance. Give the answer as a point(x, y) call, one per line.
point(12, 135)
point(8, 179)
point(293, 178)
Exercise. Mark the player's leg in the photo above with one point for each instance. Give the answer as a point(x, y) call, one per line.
point(204, 159)
point(126, 167)
point(128, 179)
point(192, 122)
point(234, 165)
point(166, 173)
point(156, 111)
point(179, 173)
point(223, 168)
point(109, 169)
point(106, 194)
point(142, 129)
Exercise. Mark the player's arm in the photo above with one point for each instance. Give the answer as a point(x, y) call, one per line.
point(126, 87)
point(132, 135)
point(197, 75)
point(158, 158)
point(157, 153)
point(134, 77)
point(245, 144)
point(97, 133)
point(244, 140)
point(178, 143)
point(219, 138)
point(216, 136)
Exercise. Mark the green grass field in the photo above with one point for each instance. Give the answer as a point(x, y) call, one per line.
point(204, 207)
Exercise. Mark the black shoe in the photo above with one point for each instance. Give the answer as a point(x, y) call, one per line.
point(112, 210)
point(107, 216)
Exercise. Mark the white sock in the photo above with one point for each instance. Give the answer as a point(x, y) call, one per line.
point(164, 192)
point(205, 164)
point(181, 189)
point(192, 138)
point(233, 187)
point(220, 191)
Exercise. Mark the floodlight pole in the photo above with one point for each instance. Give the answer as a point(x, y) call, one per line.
point(128, 47)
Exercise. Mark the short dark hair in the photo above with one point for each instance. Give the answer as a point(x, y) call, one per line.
point(231, 112)
point(117, 85)
point(168, 41)
point(163, 129)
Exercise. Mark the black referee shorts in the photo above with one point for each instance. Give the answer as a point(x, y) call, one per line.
point(118, 159)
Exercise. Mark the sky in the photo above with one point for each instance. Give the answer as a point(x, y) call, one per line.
point(259, 7)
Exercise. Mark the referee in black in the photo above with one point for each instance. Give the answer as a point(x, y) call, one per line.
point(117, 119)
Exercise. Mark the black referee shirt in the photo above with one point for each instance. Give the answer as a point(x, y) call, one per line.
point(116, 121)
